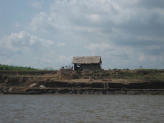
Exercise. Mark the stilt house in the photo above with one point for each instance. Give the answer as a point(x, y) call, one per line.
point(87, 62)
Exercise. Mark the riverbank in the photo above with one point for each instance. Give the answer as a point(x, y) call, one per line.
point(79, 83)
point(73, 87)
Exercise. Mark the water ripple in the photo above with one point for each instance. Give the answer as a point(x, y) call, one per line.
point(81, 108)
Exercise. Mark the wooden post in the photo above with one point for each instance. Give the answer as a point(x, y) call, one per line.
point(90, 79)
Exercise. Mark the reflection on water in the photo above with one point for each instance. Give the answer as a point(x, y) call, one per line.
point(81, 108)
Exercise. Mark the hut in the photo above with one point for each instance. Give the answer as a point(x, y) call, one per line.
point(87, 62)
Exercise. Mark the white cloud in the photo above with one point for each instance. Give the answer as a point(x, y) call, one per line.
point(41, 60)
point(96, 46)
point(16, 41)
point(9, 61)
point(36, 4)
point(53, 57)
point(60, 44)
point(153, 47)
point(150, 58)
point(24, 38)
point(16, 24)
point(44, 23)
point(63, 59)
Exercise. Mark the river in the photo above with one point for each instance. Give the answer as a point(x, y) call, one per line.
point(81, 108)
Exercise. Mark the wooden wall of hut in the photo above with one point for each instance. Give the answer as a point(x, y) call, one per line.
point(87, 66)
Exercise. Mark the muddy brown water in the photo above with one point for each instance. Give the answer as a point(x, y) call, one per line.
point(81, 108)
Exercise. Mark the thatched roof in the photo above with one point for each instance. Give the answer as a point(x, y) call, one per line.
point(87, 60)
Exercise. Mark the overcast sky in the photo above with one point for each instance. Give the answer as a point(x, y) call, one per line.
point(44, 33)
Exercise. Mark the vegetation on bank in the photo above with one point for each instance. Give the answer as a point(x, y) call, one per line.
point(11, 67)
point(149, 75)
point(131, 75)
point(16, 68)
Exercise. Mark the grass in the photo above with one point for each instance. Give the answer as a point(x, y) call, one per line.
point(140, 75)
point(16, 68)
point(11, 67)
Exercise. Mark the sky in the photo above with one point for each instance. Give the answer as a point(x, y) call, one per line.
point(49, 33)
